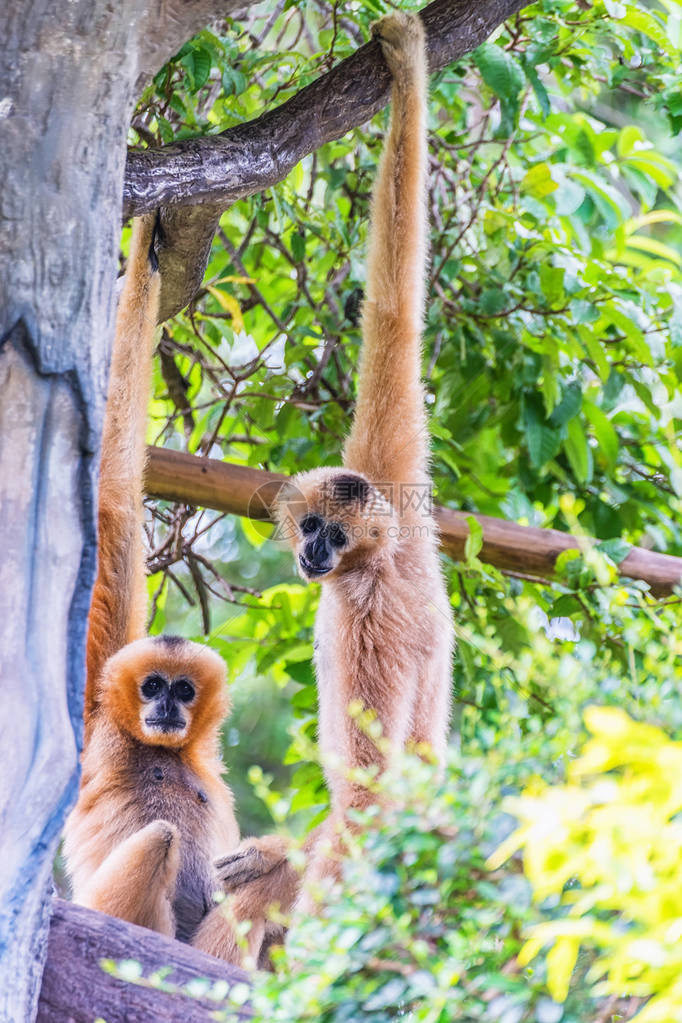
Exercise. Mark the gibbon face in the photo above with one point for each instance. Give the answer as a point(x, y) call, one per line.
point(334, 519)
point(165, 691)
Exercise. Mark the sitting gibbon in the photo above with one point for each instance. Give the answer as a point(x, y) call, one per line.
point(384, 631)
point(153, 812)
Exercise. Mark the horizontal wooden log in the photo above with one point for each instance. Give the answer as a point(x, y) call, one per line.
point(75, 988)
point(527, 550)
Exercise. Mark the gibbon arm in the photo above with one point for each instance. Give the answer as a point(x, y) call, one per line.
point(389, 438)
point(119, 599)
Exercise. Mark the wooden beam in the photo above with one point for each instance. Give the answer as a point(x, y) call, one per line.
point(175, 476)
point(75, 988)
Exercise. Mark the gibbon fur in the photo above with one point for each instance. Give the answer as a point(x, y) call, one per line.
point(384, 632)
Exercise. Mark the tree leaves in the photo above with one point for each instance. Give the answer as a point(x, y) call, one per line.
point(502, 73)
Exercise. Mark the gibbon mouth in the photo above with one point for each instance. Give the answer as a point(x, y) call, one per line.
point(310, 569)
point(165, 724)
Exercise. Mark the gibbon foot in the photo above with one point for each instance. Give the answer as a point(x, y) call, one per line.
point(239, 868)
point(258, 879)
point(250, 861)
point(401, 36)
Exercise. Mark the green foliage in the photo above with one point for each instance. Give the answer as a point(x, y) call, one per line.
point(553, 352)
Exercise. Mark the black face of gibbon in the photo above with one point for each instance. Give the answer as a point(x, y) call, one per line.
point(321, 541)
point(165, 700)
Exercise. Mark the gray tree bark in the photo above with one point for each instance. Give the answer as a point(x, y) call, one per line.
point(76, 989)
point(69, 74)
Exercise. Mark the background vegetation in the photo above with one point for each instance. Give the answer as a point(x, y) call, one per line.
point(553, 345)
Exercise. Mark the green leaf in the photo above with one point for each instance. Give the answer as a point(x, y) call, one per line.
point(539, 89)
point(578, 451)
point(607, 437)
point(648, 25)
point(569, 406)
point(617, 549)
point(298, 246)
point(202, 67)
point(538, 181)
point(543, 442)
point(492, 301)
point(500, 71)
point(474, 540)
point(552, 282)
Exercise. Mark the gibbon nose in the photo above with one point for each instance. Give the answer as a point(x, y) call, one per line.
point(318, 552)
point(167, 708)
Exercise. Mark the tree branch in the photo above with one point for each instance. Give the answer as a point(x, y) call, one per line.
point(76, 989)
point(219, 169)
point(206, 482)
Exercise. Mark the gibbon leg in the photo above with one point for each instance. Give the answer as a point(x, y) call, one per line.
point(258, 879)
point(136, 882)
point(431, 715)
point(217, 934)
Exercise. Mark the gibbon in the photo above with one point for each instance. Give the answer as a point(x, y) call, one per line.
point(384, 631)
point(153, 812)
point(384, 634)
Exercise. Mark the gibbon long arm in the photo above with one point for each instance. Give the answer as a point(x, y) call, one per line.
point(119, 601)
point(389, 438)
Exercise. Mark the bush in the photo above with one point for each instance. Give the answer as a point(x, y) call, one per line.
point(608, 846)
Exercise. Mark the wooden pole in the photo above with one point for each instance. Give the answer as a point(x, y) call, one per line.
point(175, 476)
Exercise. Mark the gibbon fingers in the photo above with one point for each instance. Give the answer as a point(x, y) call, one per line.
point(384, 632)
point(153, 811)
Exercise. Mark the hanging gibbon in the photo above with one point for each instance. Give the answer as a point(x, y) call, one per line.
point(384, 631)
point(153, 812)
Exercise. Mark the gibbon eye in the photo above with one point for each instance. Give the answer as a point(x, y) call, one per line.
point(152, 686)
point(310, 524)
point(337, 536)
point(184, 690)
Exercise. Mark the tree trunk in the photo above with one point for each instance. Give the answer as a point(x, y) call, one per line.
point(68, 78)
point(518, 550)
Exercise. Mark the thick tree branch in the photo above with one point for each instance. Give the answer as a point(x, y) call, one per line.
point(248, 158)
point(515, 549)
point(77, 990)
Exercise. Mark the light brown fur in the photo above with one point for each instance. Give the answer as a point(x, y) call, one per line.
point(262, 884)
point(384, 633)
point(153, 811)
